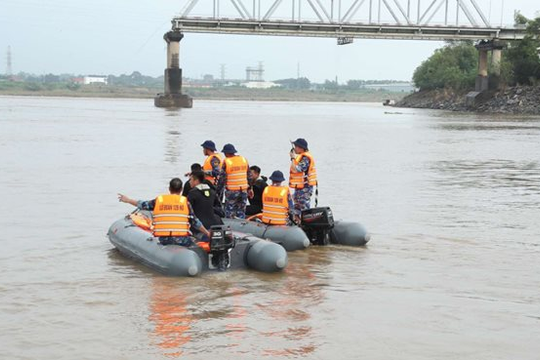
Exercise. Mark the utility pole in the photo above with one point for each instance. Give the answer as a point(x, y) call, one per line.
point(9, 69)
point(298, 70)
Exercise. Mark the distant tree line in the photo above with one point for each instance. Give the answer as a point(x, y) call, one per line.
point(329, 85)
point(455, 65)
point(136, 79)
point(33, 82)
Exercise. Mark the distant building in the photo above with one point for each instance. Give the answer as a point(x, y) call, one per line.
point(260, 84)
point(95, 79)
point(77, 80)
point(255, 73)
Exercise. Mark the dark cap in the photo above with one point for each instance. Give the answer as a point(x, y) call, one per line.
point(229, 149)
point(209, 144)
point(277, 176)
point(301, 143)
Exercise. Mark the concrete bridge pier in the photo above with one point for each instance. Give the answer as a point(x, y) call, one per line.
point(482, 80)
point(173, 97)
point(487, 78)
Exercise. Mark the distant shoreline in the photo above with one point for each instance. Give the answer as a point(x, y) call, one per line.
point(524, 100)
point(229, 94)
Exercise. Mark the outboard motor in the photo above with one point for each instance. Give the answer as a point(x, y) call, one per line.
point(317, 223)
point(221, 242)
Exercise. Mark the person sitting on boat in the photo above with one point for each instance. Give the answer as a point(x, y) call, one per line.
point(303, 176)
point(187, 186)
point(204, 201)
point(258, 184)
point(172, 216)
point(277, 201)
point(234, 178)
point(212, 163)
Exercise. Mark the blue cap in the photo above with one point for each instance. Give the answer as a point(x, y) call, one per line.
point(277, 176)
point(209, 144)
point(229, 149)
point(302, 143)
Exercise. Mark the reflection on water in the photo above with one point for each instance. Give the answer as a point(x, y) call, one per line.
point(173, 137)
point(234, 312)
point(171, 318)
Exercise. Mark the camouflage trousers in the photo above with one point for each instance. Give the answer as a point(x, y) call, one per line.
point(176, 240)
point(302, 199)
point(235, 204)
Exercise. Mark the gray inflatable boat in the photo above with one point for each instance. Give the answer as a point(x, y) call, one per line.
point(227, 250)
point(318, 228)
point(290, 237)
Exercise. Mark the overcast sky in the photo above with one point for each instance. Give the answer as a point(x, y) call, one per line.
point(121, 36)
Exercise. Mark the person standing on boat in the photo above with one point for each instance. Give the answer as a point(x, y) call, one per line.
point(258, 184)
point(303, 176)
point(234, 178)
point(212, 163)
point(172, 216)
point(277, 201)
point(203, 200)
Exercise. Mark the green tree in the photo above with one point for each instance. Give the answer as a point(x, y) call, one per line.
point(300, 83)
point(453, 66)
point(522, 56)
point(356, 84)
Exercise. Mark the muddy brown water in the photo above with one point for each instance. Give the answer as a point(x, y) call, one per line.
point(452, 201)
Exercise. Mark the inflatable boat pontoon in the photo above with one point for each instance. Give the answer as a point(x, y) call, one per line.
point(227, 249)
point(318, 228)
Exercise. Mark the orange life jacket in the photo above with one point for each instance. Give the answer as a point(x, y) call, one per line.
point(236, 169)
point(205, 245)
point(275, 205)
point(171, 216)
point(207, 166)
point(141, 221)
point(298, 180)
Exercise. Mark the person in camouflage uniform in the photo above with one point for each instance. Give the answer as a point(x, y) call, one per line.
point(235, 204)
point(175, 188)
point(302, 199)
point(212, 166)
point(235, 181)
point(303, 176)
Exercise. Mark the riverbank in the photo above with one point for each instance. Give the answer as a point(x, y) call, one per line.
point(510, 100)
point(223, 93)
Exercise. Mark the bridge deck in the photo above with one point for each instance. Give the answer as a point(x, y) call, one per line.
point(342, 30)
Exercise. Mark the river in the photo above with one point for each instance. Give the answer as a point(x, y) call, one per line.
point(452, 201)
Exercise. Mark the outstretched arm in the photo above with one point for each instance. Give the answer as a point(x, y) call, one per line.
point(143, 205)
point(123, 198)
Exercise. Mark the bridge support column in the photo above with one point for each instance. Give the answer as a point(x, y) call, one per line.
point(495, 73)
point(173, 97)
point(496, 56)
point(482, 81)
point(486, 80)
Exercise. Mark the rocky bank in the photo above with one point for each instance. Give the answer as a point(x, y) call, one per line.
point(509, 100)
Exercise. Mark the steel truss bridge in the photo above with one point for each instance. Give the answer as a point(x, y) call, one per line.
point(344, 19)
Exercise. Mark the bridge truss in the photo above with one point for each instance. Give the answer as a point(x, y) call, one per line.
point(344, 19)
